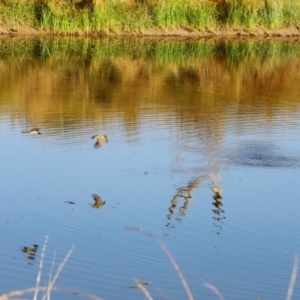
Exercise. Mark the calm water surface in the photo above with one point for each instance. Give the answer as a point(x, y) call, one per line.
point(181, 118)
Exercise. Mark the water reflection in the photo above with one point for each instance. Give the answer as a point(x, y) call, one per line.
point(215, 187)
point(186, 194)
point(197, 101)
point(30, 251)
point(100, 140)
point(69, 82)
point(32, 131)
point(218, 215)
point(217, 196)
point(70, 202)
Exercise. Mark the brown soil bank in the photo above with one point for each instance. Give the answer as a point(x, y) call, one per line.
point(26, 30)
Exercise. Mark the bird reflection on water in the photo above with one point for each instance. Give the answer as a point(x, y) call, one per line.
point(100, 140)
point(32, 131)
point(30, 251)
point(215, 188)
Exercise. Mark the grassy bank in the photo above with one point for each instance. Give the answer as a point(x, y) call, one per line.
point(140, 16)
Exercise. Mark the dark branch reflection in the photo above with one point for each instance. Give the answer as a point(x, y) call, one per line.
point(218, 216)
point(186, 194)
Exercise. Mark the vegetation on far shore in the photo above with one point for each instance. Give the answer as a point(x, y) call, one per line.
point(137, 16)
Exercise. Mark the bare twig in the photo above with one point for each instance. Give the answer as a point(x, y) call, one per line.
point(50, 276)
point(45, 288)
point(293, 279)
point(171, 258)
point(50, 287)
point(38, 278)
point(215, 290)
point(51, 284)
point(143, 289)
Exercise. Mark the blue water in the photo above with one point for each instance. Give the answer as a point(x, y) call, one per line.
point(244, 245)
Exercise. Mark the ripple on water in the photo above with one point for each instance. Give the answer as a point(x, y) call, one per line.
point(261, 154)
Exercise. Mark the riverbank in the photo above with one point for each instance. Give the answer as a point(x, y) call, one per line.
point(241, 18)
point(25, 30)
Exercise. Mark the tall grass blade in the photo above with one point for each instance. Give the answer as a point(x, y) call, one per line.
point(17, 293)
point(51, 284)
point(143, 289)
point(38, 278)
point(171, 258)
point(293, 279)
point(215, 290)
point(50, 276)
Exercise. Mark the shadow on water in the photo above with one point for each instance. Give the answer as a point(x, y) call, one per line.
point(261, 154)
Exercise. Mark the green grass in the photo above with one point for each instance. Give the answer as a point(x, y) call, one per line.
point(136, 16)
point(14, 13)
point(182, 13)
point(270, 14)
point(103, 19)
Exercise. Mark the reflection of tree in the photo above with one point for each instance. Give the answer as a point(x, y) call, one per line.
point(111, 81)
point(185, 193)
point(217, 210)
point(215, 188)
point(218, 217)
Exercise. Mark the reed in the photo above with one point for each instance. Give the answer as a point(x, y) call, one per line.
point(106, 17)
point(271, 14)
point(73, 17)
point(15, 13)
point(182, 14)
point(47, 289)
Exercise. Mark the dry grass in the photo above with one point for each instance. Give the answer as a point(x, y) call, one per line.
point(208, 285)
point(171, 258)
point(47, 289)
point(293, 279)
point(50, 287)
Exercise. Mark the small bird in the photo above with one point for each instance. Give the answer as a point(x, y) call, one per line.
point(98, 201)
point(100, 138)
point(32, 131)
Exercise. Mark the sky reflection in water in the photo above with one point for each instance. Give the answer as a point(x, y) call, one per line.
point(170, 125)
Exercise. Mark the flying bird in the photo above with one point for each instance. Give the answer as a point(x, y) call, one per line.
point(98, 201)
